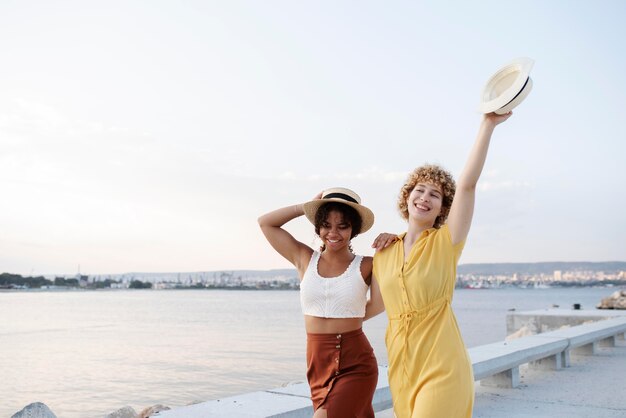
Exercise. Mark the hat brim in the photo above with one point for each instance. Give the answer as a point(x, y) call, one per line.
point(367, 216)
point(507, 88)
point(517, 99)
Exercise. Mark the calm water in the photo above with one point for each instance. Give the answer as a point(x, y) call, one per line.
point(86, 354)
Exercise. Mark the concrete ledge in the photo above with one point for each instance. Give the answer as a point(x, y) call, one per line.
point(291, 401)
point(592, 387)
point(502, 360)
point(544, 320)
point(494, 364)
point(249, 405)
point(585, 339)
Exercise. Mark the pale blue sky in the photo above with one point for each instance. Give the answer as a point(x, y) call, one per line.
point(150, 135)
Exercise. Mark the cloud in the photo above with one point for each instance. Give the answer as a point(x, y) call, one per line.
point(38, 116)
point(26, 122)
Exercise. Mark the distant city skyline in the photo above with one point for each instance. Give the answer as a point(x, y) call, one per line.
point(142, 136)
point(475, 276)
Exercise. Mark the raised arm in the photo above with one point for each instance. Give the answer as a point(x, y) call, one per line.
point(282, 241)
point(462, 210)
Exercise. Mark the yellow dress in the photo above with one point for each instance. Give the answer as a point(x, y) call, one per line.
point(430, 373)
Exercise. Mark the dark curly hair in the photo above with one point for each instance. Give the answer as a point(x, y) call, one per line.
point(429, 173)
point(349, 214)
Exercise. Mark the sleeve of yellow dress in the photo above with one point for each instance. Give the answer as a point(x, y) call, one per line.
point(457, 249)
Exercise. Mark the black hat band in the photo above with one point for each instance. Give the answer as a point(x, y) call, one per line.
point(341, 196)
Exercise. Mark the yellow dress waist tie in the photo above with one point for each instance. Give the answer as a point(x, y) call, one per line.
point(408, 316)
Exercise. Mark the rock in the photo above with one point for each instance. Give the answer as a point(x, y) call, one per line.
point(126, 412)
point(35, 410)
point(616, 301)
point(522, 332)
point(149, 411)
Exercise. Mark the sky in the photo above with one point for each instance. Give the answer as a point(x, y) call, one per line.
point(148, 136)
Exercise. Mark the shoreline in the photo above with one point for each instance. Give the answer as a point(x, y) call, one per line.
point(262, 289)
point(79, 329)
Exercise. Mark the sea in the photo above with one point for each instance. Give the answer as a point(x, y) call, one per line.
point(89, 353)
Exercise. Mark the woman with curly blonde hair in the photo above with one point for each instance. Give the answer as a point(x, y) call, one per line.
point(432, 174)
point(430, 373)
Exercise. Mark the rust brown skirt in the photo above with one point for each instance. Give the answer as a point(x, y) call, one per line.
point(342, 373)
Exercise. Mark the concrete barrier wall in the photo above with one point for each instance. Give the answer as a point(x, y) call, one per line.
point(544, 320)
point(494, 364)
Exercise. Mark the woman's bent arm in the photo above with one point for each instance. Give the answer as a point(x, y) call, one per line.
point(282, 241)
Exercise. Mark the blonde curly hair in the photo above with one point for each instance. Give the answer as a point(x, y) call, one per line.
point(434, 174)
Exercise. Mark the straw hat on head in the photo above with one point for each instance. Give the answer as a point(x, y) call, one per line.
point(343, 196)
point(508, 87)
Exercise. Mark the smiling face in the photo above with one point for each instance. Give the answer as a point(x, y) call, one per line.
point(337, 224)
point(335, 231)
point(435, 177)
point(425, 202)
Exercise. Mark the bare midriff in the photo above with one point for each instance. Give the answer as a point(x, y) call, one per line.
point(317, 325)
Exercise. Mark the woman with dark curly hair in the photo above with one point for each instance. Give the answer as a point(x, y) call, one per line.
point(342, 369)
point(430, 373)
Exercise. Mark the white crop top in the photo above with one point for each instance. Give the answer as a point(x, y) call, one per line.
point(343, 296)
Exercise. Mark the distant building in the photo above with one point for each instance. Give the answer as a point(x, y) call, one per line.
point(557, 276)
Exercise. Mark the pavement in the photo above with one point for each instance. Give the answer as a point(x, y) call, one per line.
point(593, 386)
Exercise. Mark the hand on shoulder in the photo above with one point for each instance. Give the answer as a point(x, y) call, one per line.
point(384, 240)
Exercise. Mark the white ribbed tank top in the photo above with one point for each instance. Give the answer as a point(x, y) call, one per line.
point(343, 296)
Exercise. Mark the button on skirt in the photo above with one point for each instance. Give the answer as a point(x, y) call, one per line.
point(342, 372)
